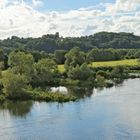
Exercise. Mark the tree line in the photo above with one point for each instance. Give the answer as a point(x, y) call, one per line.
point(51, 42)
point(23, 71)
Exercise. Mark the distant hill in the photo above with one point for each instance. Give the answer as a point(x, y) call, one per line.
point(50, 43)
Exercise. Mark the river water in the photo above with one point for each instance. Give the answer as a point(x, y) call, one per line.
point(99, 114)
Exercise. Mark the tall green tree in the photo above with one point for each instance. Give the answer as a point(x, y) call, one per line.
point(45, 71)
point(74, 57)
point(102, 55)
point(60, 56)
point(21, 63)
point(13, 84)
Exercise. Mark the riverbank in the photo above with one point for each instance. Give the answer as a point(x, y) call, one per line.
point(40, 96)
point(58, 96)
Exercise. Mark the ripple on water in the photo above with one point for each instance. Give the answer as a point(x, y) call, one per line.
point(107, 114)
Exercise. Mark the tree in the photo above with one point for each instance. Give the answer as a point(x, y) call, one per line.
point(101, 82)
point(1, 55)
point(137, 54)
point(13, 84)
point(119, 72)
point(82, 72)
point(1, 67)
point(21, 63)
point(102, 73)
point(102, 55)
point(45, 71)
point(74, 57)
point(50, 43)
point(60, 56)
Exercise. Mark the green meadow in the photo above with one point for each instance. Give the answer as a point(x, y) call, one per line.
point(127, 62)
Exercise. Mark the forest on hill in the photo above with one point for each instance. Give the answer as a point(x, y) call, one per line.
point(51, 42)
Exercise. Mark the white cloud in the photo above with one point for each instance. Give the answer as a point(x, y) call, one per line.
point(3, 3)
point(127, 5)
point(21, 19)
point(37, 3)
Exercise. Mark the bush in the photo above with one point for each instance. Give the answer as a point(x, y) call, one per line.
point(13, 84)
point(2, 98)
point(119, 72)
point(82, 72)
point(102, 73)
point(101, 82)
point(47, 96)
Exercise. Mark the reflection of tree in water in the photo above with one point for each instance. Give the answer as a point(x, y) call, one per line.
point(119, 82)
point(17, 108)
point(80, 92)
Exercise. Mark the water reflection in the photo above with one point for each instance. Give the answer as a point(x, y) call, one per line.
point(118, 82)
point(80, 92)
point(109, 114)
point(22, 108)
point(61, 89)
point(17, 108)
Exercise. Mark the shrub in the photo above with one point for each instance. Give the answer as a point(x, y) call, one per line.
point(13, 84)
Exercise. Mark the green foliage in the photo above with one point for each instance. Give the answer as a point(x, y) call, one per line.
point(82, 72)
point(102, 73)
point(13, 84)
point(33, 64)
point(102, 55)
point(137, 54)
point(60, 56)
point(50, 43)
point(46, 71)
point(74, 57)
point(101, 82)
point(2, 98)
point(37, 55)
point(21, 63)
point(119, 72)
point(44, 96)
point(69, 82)
point(2, 57)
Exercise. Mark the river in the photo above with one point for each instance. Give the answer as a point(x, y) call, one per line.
point(99, 114)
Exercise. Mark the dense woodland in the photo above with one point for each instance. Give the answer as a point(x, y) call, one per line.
point(27, 66)
point(50, 43)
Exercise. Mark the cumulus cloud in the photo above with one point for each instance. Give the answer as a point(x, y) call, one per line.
point(127, 5)
point(3, 3)
point(21, 19)
point(37, 3)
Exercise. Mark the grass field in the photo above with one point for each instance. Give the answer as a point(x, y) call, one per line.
point(61, 68)
point(130, 62)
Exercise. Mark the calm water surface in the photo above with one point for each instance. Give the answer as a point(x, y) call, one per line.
point(100, 114)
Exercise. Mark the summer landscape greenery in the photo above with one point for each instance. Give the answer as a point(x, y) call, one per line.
point(29, 65)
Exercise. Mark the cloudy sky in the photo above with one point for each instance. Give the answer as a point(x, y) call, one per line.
point(33, 18)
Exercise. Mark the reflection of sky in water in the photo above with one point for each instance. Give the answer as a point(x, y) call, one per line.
point(60, 89)
point(110, 114)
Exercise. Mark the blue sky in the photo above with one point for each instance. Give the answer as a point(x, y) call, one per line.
point(63, 5)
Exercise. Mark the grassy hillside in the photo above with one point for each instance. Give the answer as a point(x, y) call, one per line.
point(130, 62)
